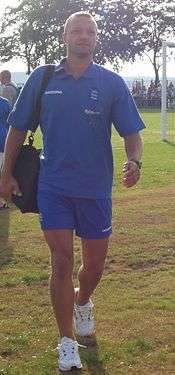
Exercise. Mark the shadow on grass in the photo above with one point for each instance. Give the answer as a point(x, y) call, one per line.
point(5, 247)
point(169, 142)
point(91, 357)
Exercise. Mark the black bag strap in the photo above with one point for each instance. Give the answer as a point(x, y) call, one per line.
point(45, 79)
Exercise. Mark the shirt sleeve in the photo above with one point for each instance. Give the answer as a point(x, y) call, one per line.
point(23, 116)
point(125, 116)
point(5, 110)
point(10, 93)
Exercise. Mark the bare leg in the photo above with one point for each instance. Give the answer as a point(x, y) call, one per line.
point(93, 260)
point(61, 284)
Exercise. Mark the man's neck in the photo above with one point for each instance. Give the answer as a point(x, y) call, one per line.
point(77, 66)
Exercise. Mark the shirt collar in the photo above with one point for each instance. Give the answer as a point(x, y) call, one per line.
point(60, 67)
point(88, 73)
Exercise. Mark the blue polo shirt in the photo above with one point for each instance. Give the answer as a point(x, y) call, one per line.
point(76, 119)
point(5, 109)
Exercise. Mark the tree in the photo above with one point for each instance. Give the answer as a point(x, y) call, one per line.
point(158, 22)
point(120, 31)
point(17, 38)
point(33, 30)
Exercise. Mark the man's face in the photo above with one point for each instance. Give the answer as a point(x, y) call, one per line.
point(81, 37)
point(3, 79)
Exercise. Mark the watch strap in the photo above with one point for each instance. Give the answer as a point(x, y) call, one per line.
point(139, 163)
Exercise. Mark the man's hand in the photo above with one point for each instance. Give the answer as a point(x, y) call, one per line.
point(131, 174)
point(9, 187)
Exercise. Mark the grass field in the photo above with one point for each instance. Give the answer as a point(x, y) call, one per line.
point(135, 302)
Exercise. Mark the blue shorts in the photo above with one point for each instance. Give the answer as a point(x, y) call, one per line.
point(90, 218)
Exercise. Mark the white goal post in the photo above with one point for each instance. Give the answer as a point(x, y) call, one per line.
point(163, 123)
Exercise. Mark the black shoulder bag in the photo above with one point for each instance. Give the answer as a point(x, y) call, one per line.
point(26, 169)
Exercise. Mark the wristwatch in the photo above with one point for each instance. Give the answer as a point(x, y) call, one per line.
point(139, 163)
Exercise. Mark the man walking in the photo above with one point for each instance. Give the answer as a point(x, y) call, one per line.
point(80, 104)
point(9, 90)
point(5, 109)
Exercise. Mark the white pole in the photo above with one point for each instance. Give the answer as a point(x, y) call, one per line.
point(163, 123)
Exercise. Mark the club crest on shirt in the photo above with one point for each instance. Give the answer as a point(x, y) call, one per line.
point(94, 94)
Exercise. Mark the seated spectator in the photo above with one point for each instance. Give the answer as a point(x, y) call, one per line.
point(9, 90)
point(139, 93)
point(5, 109)
point(154, 95)
point(151, 96)
point(170, 95)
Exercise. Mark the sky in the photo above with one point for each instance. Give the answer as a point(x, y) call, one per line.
point(141, 67)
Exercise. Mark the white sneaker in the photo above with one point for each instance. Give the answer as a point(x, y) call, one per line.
point(69, 358)
point(83, 319)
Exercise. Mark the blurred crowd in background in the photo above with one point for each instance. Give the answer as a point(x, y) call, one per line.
point(150, 96)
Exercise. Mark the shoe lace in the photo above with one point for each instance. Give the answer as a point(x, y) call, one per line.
point(84, 312)
point(69, 350)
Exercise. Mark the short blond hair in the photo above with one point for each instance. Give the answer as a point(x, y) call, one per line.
point(79, 14)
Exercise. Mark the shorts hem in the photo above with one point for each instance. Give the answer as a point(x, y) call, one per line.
point(93, 236)
point(55, 227)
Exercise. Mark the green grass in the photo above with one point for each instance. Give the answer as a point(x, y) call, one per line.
point(134, 303)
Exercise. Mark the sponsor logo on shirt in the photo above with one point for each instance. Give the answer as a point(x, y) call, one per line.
point(54, 92)
point(90, 112)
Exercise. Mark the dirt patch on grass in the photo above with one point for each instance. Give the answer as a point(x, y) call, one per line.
point(143, 231)
point(161, 195)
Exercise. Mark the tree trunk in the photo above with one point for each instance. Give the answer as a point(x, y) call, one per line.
point(156, 69)
point(28, 66)
point(27, 56)
point(156, 72)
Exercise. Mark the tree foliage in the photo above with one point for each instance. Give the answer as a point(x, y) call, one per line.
point(158, 25)
point(120, 32)
point(33, 30)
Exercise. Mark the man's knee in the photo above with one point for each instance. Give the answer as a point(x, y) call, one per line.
point(94, 270)
point(62, 265)
point(61, 249)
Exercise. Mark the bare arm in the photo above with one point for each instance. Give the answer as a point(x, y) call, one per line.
point(133, 146)
point(14, 141)
point(134, 149)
